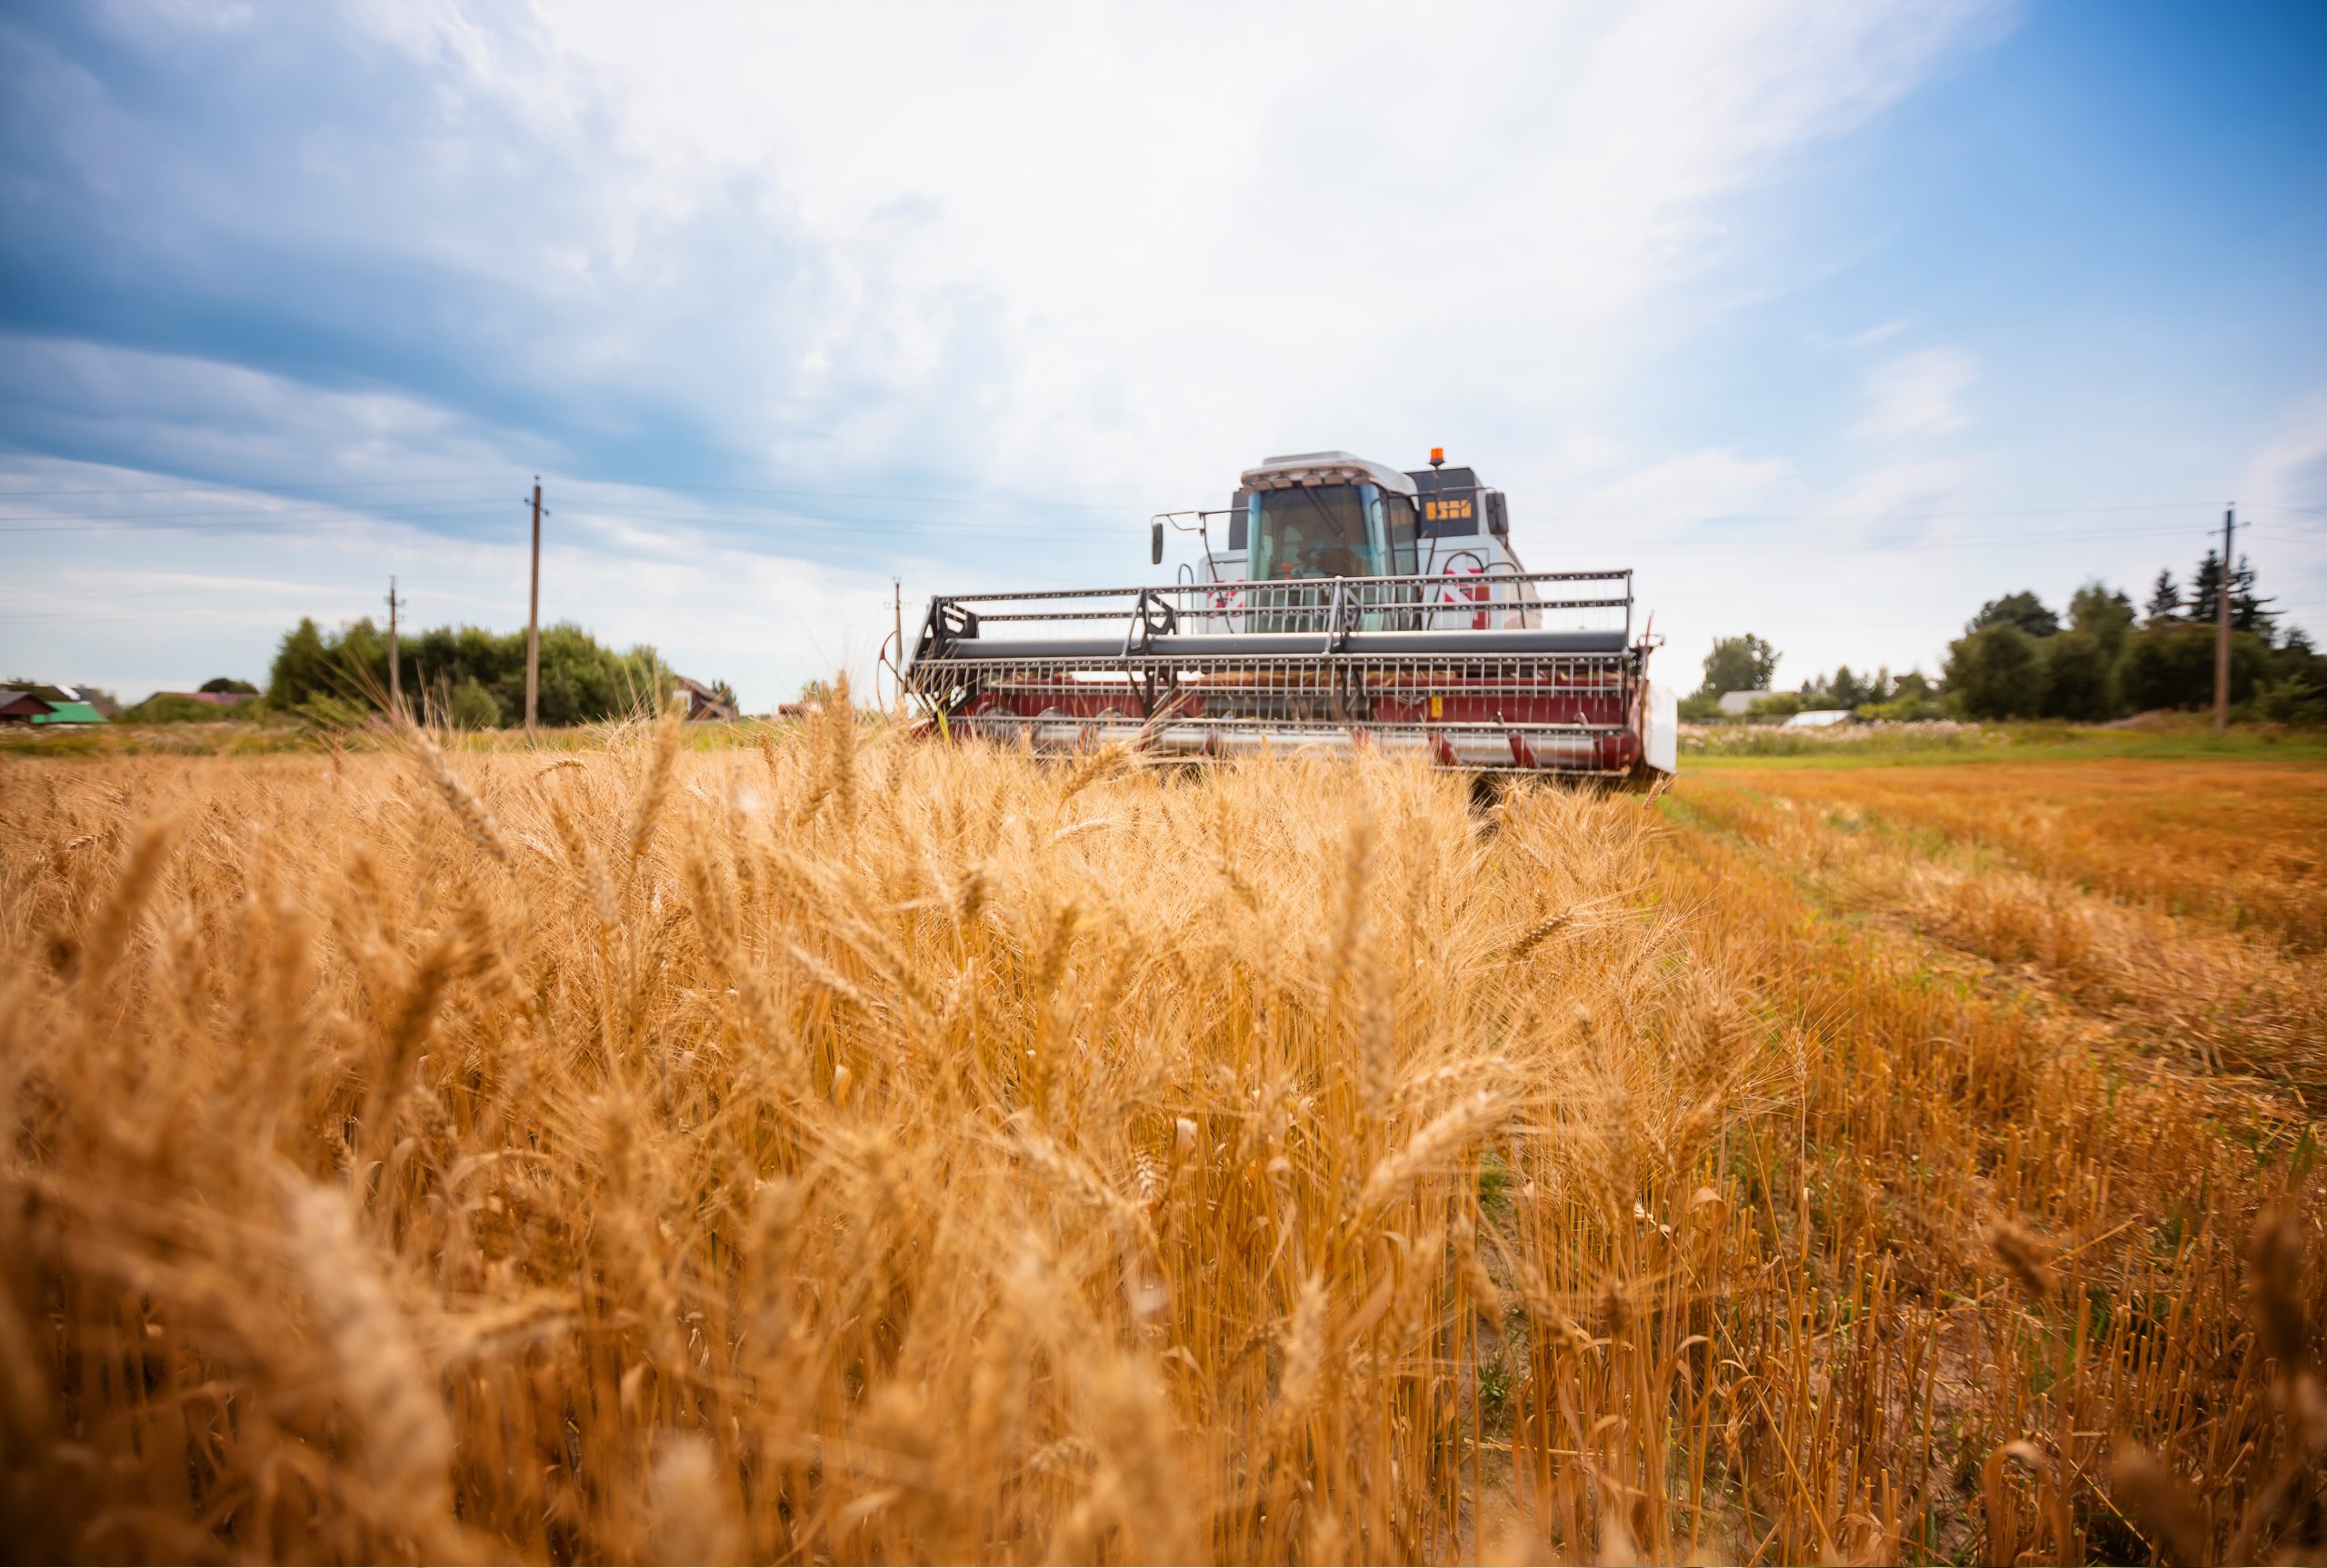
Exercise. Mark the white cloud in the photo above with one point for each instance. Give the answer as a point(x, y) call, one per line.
point(1204, 234)
point(1068, 252)
point(1902, 491)
point(2290, 469)
point(1918, 395)
point(1690, 486)
point(1875, 334)
point(208, 595)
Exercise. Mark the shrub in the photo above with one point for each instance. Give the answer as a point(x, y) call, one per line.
point(2290, 701)
point(177, 708)
point(1912, 709)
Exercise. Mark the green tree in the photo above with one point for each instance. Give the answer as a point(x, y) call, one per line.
point(302, 667)
point(472, 708)
point(582, 681)
point(1996, 672)
point(2171, 666)
point(2164, 599)
point(2024, 610)
point(227, 684)
point(2105, 613)
point(1745, 664)
point(2296, 660)
point(2248, 611)
point(2078, 682)
point(2205, 588)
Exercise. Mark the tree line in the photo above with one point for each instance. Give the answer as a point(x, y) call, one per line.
point(2104, 659)
point(464, 676)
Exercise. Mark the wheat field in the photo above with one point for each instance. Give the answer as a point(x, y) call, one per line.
point(851, 1148)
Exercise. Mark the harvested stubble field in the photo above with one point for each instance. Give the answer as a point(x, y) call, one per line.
point(855, 1149)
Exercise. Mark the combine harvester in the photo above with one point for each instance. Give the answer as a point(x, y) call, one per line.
point(1347, 604)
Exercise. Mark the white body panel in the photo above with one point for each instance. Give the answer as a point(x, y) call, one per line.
point(1661, 748)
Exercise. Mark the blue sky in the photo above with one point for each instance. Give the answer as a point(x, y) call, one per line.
point(1831, 321)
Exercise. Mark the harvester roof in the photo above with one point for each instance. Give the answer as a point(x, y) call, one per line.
point(1325, 468)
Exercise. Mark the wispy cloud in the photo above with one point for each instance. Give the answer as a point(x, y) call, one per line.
point(2290, 468)
point(1918, 395)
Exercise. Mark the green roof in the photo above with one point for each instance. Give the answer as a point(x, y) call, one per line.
point(69, 714)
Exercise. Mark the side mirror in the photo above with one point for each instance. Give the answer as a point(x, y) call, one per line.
point(1498, 520)
point(1155, 543)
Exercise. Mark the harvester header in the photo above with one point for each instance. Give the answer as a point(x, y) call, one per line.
point(1345, 605)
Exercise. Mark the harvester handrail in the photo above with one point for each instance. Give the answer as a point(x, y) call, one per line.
point(1240, 585)
point(1115, 615)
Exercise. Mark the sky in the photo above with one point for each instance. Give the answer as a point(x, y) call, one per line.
point(1831, 322)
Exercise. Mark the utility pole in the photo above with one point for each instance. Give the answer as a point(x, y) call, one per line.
point(533, 622)
point(396, 669)
point(2221, 627)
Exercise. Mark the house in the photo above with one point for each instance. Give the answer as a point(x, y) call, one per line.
point(18, 708)
point(49, 705)
point(699, 702)
point(1818, 719)
point(1737, 702)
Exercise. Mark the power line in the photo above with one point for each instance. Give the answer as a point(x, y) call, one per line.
point(1141, 507)
point(1904, 546)
point(870, 495)
point(1875, 516)
point(769, 519)
point(265, 512)
point(217, 487)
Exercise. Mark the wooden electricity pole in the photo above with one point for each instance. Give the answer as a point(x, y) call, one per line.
point(396, 671)
point(533, 622)
point(2222, 628)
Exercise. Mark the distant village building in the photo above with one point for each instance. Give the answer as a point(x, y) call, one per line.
point(215, 699)
point(1818, 718)
point(699, 702)
point(1737, 702)
point(21, 707)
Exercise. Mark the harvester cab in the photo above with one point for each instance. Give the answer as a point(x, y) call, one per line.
point(1338, 602)
point(1314, 516)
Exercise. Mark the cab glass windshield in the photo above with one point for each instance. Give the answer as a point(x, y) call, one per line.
point(1330, 531)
